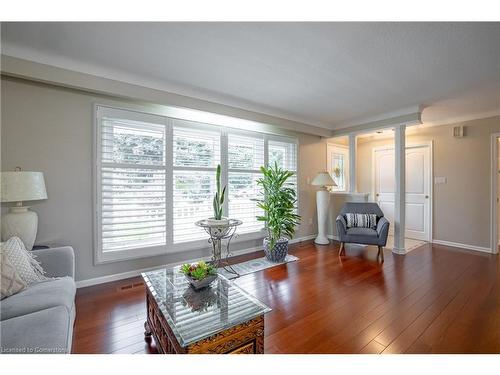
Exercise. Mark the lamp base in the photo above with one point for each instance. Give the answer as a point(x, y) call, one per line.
point(20, 222)
point(322, 202)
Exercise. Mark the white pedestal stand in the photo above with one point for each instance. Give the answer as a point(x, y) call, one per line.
point(322, 202)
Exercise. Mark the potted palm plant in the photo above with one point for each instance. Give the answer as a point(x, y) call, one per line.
point(278, 203)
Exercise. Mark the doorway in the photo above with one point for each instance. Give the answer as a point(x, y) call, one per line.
point(418, 188)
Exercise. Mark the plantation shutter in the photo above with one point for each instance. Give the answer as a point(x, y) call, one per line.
point(196, 154)
point(245, 157)
point(284, 153)
point(131, 171)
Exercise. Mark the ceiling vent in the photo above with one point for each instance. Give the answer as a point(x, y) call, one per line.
point(458, 131)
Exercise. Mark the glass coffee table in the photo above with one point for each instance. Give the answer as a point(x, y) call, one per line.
point(222, 318)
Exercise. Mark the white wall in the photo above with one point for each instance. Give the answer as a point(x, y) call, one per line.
point(49, 129)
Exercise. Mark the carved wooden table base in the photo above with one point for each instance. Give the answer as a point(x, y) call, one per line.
point(244, 338)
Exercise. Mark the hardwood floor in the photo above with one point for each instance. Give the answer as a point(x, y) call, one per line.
point(436, 299)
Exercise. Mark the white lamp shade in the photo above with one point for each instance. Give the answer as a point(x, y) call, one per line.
point(22, 186)
point(323, 179)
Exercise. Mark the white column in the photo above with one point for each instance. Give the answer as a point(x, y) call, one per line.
point(352, 163)
point(399, 199)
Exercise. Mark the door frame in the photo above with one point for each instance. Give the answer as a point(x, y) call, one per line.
point(429, 144)
point(494, 188)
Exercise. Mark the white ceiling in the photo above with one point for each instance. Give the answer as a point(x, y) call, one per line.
point(326, 74)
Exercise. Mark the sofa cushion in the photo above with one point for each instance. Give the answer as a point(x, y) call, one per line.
point(40, 296)
point(23, 261)
point(10, 281)
point(43, 332)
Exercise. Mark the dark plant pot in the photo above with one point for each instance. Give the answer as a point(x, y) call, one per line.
point(279, 252)
point(200, 284)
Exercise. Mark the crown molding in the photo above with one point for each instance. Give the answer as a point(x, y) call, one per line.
point(383, 121)
point(462, 119)
point(57, 76)
point(380, 117)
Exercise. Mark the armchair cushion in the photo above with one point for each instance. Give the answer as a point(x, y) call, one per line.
point(361, 220)
point(366, 236)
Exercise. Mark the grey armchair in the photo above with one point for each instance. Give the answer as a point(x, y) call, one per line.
point(365, 236)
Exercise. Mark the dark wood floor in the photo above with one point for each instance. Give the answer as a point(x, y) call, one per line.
point(436, 299)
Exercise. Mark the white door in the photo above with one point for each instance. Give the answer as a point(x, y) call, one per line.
point(418, 187)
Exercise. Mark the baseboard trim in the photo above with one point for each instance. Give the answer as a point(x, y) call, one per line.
point(463, 246)
point(134, 273)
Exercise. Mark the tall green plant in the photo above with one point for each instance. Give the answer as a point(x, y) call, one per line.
point(219, 196)
point(278, 203)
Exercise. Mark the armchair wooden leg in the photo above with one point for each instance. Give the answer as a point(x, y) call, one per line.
point(381, 252)
point(342, 248)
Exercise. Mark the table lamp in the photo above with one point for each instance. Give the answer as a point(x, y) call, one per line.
point(322, 179)
point(19, 186)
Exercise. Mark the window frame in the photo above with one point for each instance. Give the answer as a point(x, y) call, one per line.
point(334, 148)
point(99, 110)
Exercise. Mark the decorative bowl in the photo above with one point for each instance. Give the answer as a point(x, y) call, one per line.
point(203, 283)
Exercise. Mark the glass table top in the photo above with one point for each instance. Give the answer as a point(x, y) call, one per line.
point(194, 315)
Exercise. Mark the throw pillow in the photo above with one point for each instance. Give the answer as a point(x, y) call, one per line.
point(361, 220)
point(10, 280)
point(23, 261)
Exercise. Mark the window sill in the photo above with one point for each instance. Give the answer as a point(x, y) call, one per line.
point(145, 252)
point(201, 244)
point(129, 254)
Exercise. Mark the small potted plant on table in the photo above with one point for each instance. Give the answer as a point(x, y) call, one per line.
point(199, 275)
point(278, 203)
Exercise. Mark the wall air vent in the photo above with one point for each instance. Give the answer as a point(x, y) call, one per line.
point(458, 131)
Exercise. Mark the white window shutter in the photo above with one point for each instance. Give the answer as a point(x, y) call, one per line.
point(132, 201)
point(155, 176)
point(196, 154)
point(245, 157)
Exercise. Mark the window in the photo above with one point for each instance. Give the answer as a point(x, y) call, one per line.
point(245, 157)
point(285, 155)
point(195, 158)
point(131, 172)
point(338, 165)
point(155, 176)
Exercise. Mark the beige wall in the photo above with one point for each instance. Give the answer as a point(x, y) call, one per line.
point(49, 129)
point(461, 207)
